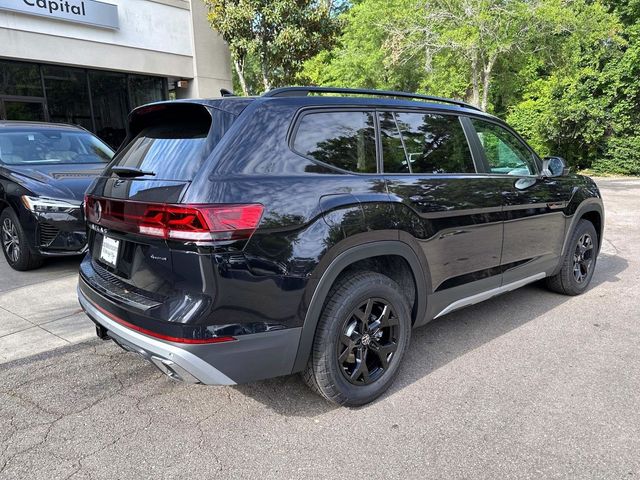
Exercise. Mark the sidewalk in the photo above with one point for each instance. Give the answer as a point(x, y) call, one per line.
point(39, 310)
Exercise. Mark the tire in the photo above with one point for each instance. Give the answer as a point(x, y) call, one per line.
point(335, 369)
point(578, 263)
point(14, 243)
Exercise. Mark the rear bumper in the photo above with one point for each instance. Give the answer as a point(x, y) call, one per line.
point(162, 354)
point(250, 357)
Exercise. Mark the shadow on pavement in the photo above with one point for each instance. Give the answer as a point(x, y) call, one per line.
point(439, 342)
point(432, 346)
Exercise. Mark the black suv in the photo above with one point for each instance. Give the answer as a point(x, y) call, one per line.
point(238, 239)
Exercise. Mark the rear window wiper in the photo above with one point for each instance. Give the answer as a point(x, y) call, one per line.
point(130, 172)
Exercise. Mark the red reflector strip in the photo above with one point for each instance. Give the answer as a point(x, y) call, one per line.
point(190, 341)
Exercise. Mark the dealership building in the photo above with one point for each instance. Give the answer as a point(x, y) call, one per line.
point(90, 62)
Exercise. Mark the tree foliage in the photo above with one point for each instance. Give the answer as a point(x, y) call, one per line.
point(586, 108)
point(564, 73)
point(270, 39)
point(468, 37)
point(360, 58)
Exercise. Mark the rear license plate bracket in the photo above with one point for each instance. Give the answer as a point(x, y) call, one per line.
point(109, 251)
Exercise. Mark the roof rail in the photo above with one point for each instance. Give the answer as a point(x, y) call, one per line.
point(305, 91)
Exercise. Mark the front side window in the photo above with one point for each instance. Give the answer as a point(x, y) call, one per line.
point(342, 139)
point(424, 143)
point(504, 152)
point(51, 146)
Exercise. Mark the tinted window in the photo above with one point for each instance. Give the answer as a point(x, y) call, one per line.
point(145, 89)
point(505, 153)
point(424, 143)
point(343, 139)
point(67, 95)
point(20, 79)
point(25, 111)
point(50, 146)
point(175, 150)
point(110, 106)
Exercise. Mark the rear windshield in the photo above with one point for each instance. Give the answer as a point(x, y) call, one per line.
point(34, 146)
point(174, 150)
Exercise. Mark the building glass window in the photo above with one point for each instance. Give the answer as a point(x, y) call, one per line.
point(110, 106)
point(145, 90)
point(23, 110)
point(97, 100)
point(20, 79)
point(67, 96)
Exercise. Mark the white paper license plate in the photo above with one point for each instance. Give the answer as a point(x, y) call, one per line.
point(109, 251)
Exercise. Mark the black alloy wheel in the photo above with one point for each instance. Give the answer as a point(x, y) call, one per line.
point(583, 258)
point(578, 262)
point(360, 340)
point(368, 342)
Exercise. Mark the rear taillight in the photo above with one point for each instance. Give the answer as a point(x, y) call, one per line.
point(199, 223)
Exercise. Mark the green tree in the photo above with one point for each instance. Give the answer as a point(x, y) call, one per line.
point(568, 104)
point(360, 58)
point(565, 73)
point(622, 147)
point(622, 77)
point(277, 36)
point(466, 39)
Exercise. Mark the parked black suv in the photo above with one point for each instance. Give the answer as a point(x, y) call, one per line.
point(237, 239)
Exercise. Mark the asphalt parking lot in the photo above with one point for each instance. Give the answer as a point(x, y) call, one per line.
point(527, 385)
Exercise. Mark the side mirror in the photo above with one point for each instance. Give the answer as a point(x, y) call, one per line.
point(554, 167)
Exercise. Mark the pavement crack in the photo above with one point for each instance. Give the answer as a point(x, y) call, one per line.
point(51, 424)
point(32, 447)
point(203, 435)
point(613, 245)
point(101, 448)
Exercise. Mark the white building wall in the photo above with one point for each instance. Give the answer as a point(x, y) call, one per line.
point(169, 38)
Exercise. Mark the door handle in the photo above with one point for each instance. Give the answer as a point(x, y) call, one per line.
point(509, 194)
point(451, 234)
point(557, 205)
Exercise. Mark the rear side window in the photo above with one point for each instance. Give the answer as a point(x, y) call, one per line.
point(175, 150)
point(342, 139)
point(424, 143)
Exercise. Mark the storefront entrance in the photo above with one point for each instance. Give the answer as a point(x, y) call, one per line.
point(28, 109)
